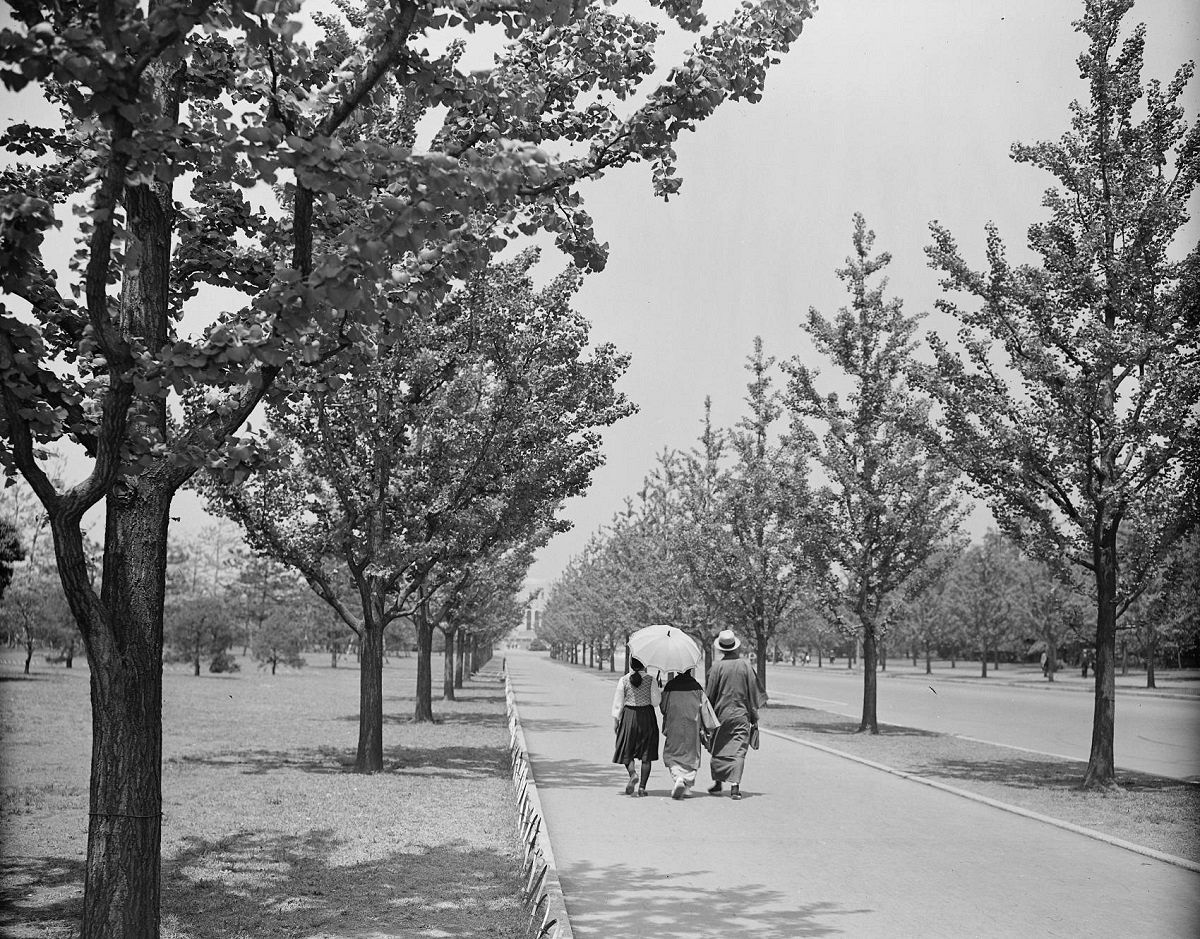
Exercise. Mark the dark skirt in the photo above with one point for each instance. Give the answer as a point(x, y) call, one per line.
point(637, 735)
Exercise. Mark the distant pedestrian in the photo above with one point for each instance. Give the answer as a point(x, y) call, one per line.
point(733, 690)
point(682, 699)
point(1045, 665)
point(635, 725)
point(1086, 658)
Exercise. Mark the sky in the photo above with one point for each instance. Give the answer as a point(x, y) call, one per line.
point(902, 111)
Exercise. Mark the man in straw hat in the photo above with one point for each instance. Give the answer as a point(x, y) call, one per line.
point(733, 690)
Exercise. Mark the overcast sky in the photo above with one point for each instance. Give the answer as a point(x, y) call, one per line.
point(903, 111)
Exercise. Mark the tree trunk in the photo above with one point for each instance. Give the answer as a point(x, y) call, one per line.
point(983, 657)
point(423, 712)
point(883, 656)
point(123, 636)
point(369, 756)
point(460, 655)
point(274, 664)
point(1051, 657)
point(28, 654)
point(1101, 769)
point(762, 644)
point(451, 634)
point(928, 659)
point(1151, 654)
point(870, 719)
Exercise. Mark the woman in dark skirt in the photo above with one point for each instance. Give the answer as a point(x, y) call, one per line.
point(636, 725)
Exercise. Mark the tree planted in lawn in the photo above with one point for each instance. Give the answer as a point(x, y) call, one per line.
point(460, 435)
point(890, 505)
point(226, 97)
point(1087, 441)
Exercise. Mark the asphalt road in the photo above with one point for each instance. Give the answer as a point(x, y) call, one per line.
point(1152, 734)
point(819, 847)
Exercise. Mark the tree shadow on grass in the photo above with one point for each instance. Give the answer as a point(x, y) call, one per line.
point(455, 762)
point(261, 884)
point(622, 901)
point(258, 762)
point(795, 717)
point(1032, 773)
point(43, 892)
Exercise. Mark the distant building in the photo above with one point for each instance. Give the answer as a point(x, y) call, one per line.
point(525, 631)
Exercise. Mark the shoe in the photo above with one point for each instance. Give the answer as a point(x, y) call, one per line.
point(678, 789)
point(629, 786)
point(641, 792)
point(735, 792)
point(714, 789)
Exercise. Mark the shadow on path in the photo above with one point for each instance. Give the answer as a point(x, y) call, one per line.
point(647, 902)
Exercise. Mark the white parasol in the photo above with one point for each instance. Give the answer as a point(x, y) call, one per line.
point(667, 648)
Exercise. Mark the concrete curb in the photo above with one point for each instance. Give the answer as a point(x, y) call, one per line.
point(542, 891)
point(1003, 806)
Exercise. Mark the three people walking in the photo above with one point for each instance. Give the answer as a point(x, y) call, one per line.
point(731, 692)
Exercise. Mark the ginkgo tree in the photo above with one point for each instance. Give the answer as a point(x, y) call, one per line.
point(1072, 401)
point(890, 505)
point(213, 144)
point(458, 438)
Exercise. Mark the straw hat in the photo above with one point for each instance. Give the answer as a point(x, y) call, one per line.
point(727, 641)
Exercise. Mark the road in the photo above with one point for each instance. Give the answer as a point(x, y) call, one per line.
point(819, 847)
point(1152, 734)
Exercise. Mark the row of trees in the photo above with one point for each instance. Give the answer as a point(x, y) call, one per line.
point(256, 170)
point(1067, 404)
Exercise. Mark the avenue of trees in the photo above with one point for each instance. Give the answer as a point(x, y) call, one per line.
point(1068, 405)
point(257, 172)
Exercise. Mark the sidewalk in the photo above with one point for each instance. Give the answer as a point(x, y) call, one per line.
point(819, 846)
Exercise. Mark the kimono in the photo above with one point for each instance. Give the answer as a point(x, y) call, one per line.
point(681, 701)
point(733, 690)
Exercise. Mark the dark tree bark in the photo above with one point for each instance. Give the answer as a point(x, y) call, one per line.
point(423, 711)
point(870, 719)
point(1101, 770)
point(369, 756)
point(451, 634)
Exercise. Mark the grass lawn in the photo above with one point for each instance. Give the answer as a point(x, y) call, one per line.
point(1151, 811)
point(265, 831)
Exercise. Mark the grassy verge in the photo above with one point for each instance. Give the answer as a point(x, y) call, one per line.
point(265, 831)
point(1158, 813)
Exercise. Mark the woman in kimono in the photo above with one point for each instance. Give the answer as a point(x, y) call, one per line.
point(732, 687)
point(682, 699)
point(635, 725)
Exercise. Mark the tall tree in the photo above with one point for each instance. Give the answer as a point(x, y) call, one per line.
point(459, 435)
point(751, 567)
point(890, 504)
point(1086, 439)
point(228, 97)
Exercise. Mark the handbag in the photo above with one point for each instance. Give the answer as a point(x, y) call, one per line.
point(708, 717)
point(753, 736)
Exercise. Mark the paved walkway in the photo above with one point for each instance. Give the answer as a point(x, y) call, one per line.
point(819, 846)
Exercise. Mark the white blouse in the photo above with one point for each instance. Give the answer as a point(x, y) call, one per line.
point(647, 693)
